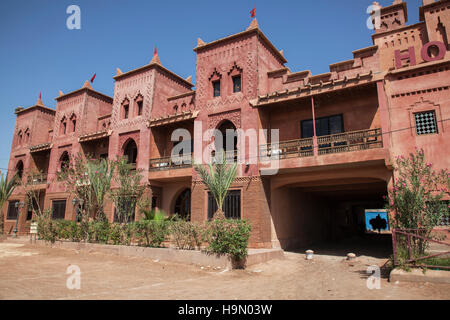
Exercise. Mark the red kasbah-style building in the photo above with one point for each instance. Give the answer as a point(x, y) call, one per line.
point(339, 132)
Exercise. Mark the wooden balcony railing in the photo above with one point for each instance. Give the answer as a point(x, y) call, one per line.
point(335, 143)
point(168, 163)
point(288, 149)
point(36, 179)
point(350, 141)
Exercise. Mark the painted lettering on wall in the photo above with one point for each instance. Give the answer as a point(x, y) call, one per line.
point(432, 51)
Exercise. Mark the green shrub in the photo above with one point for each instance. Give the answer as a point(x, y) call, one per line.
point(75, 232)
point(150, 233)
point(188, 235)
point(46, 227)
point(115, 234)
point(99, 231)
point(63, 229)
point(229, 237)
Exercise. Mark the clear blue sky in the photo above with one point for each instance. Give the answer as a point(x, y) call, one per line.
point(39, 54)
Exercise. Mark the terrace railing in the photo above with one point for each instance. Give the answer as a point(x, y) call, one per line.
point(288, 149)
point(335, 143)
point(167, 163)
point(350, 141)
point(37, 179)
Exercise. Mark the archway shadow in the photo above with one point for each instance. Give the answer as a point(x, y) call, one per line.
point(376, 246)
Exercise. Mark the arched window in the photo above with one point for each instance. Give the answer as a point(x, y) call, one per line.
point(139, 105)
point(125, 109)
point(19, 137)
point(131, 151)
point(73, 120)
point(229, 137)
point(64, 161)
point(183, 205)
point(63, 126)
point(27, 135)
point(19, 169)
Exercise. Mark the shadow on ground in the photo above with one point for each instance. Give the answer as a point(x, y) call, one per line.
point(376, 246)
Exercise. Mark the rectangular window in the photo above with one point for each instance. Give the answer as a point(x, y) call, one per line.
point(126, 109)
point(12, 210)
point(426, 122)
point(231, 206)
point(237, 84)
point(58, 209)
point(324, 126)
point(216, 88)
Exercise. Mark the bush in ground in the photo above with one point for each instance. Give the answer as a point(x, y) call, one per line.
point(99, 231)
point(46, 227)
point(229, 237)
point(188, 235)
point(151, 233)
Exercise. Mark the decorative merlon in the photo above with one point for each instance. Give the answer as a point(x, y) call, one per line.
point(200, 42)
point(87, 85)
point(253, 25)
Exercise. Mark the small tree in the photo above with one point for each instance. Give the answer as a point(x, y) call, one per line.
point(218, 179)
point(6, 189)
point(100, 174)
point(33, 194)
point(416, 197)
point(129, 189)
point(75, 177)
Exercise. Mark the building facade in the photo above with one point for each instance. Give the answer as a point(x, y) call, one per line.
point(332, 138)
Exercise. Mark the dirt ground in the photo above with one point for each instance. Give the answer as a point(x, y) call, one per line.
point(32, 272)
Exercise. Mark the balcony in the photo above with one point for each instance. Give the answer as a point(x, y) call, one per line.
point(288, 149)
point(167, 163)
point(37, 179)
point(331, 144)
point(350, 141)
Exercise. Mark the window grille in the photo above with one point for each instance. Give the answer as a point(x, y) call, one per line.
point(426, 122)
point(231, 206)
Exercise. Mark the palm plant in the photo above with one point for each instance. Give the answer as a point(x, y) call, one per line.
point(100, 174)
point(218, 177)
point(6, 189)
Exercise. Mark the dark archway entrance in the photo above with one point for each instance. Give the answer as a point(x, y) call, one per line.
point(131, 151)
point(183, 205)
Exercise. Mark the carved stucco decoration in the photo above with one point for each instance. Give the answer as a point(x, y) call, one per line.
point(131, 95)
point(233, 116)
point(124, 138)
